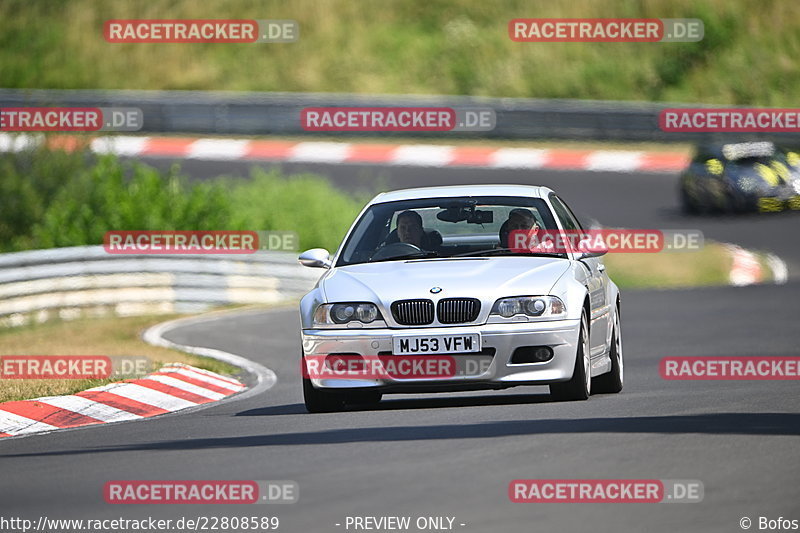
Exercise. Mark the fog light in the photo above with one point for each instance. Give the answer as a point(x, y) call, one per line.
point(543, 353)
point(531, 354)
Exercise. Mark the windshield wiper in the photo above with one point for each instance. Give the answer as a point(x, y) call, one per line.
point(412, 255)
point(507, 251)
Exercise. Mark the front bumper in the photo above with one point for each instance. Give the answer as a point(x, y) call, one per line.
point(559, 335)
point(774, 204)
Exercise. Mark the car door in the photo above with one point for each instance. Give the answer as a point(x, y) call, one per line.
point(596, 282)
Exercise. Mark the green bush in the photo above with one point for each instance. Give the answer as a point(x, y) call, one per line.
point(28, 183)
point(305, 203)
point(102, 199)
point(57, 199)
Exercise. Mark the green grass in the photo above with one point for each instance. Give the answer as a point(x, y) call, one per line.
point(748, 57)
point(111, 336)
point(708, 266)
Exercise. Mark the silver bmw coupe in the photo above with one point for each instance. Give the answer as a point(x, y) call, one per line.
point(428, 293)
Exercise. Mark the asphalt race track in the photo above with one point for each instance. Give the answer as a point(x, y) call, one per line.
point(454, 455)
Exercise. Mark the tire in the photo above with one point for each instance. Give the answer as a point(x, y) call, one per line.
point(704, 201)
point(363, 398)
point(730, 203)
point(612, 381)
point(319, 401)
point(580, 386)
point(738, 203)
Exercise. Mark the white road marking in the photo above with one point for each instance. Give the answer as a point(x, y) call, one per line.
point(188, 387)
point(14, 424)
point(422, 155)
point(202, 377)
point(518, 158)
point(145, 395)
point(128, 146)
point(218, 149)
point(87, 407)
point(320, 152)
point(619, 161)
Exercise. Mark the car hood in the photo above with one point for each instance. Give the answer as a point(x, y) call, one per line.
point(748, 179)
point(483, 278)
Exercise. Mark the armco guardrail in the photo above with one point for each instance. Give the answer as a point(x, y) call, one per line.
point(88, 281)
point(235, 113)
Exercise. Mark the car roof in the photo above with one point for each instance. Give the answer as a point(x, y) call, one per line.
point(531, 191)
point(716, 150)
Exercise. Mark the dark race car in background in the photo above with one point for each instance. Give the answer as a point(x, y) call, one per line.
point(741, 177)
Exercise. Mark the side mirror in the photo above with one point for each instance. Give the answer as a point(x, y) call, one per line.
point(315, 258)
point(594, 253)
point(592, 245)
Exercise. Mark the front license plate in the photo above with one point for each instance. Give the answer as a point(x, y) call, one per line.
point(466, 342)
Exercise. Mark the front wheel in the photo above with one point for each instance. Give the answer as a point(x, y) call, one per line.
point(688, 203)
point(580, 386)
point(612, 381)
point(319, 401)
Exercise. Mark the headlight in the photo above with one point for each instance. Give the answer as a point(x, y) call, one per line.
point(532, 307)
point(328, 315)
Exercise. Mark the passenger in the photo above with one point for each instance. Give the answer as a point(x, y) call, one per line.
point(518, 220)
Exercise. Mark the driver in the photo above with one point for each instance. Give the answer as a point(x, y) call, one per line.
point(410, 231)
point(409, 228)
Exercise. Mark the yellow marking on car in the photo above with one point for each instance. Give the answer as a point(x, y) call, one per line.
point(769, 205)
point(714, 166)
point(769, 175)
point(781, 170)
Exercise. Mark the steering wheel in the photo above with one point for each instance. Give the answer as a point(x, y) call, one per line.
point(396, 249)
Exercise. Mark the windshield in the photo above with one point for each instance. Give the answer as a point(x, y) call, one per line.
point(748, 162)
point(443, 227)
